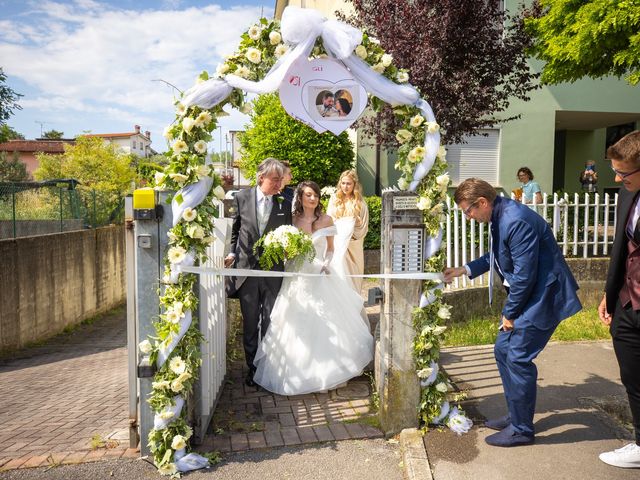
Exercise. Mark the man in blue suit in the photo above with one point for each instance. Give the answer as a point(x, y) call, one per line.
point(541, 292)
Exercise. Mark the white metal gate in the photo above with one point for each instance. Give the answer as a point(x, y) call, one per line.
point(213, 326)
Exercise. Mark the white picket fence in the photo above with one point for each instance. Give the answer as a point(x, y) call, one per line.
point(583, 226)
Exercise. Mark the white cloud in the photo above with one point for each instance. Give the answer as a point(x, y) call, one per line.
point(90, 57)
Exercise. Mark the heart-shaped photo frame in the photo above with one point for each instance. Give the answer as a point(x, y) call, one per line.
point(323, 94)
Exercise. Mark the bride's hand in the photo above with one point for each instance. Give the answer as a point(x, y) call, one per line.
point(325, 269)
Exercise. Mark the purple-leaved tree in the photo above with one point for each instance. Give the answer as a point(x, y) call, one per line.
point(467, 58)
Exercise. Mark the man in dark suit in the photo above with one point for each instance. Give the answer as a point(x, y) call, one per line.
point(541, 292)
point(620, 307)
point(258, 211)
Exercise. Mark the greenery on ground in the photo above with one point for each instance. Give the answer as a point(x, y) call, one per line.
point(320, 157)
point(585, 325)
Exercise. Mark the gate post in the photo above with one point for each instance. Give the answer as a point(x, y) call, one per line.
point(150, 244)
point(401, 252)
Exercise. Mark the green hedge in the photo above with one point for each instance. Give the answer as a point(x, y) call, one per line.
point(372, 240)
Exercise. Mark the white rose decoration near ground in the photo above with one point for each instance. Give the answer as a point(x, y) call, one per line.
point(305, 84)
point(349, 66)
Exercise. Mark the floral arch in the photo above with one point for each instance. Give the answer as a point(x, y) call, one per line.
point(265, 53)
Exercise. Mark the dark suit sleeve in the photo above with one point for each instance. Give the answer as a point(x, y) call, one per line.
point(235, 227)
point(479, 265)
point(523, 245)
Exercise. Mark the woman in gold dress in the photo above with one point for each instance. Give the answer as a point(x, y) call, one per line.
point(348, 203)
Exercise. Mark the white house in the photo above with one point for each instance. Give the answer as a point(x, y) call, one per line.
point(136, 142)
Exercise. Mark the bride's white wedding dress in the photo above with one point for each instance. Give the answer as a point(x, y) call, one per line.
point(317, 338)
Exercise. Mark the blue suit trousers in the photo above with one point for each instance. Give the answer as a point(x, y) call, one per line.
point(515, 351)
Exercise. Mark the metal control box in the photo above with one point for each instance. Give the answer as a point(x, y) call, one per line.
point(407, 247)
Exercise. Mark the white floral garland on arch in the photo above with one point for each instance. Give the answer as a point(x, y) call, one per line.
point(258, 66)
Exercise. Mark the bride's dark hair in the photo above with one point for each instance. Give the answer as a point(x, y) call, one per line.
point(297, 200)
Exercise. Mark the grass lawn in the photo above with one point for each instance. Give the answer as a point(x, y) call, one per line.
point(585, 325)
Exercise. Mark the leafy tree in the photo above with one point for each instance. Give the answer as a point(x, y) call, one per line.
point(12, 169)
point(7, 133)
point(466, 57)
point(586, 38)
point(312, 155)
point(53, 135)
point(8, 99)
point(100, 168)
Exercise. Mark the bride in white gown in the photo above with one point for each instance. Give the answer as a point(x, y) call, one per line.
point(317, 338)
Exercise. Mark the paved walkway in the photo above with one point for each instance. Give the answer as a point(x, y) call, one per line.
point(247, 418)
point(579, 404)
point(56, 397)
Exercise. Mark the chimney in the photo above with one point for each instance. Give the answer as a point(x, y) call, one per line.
point(147, 134)
point(137, 127)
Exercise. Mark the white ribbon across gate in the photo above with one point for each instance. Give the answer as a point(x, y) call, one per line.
point(243, 272)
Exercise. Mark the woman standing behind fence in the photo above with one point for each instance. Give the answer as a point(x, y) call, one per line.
point(350, 213)
point(530, 189)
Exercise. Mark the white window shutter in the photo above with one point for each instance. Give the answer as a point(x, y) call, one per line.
point(479, 157)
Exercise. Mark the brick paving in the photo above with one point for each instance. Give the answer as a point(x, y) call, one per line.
point(55, 397)
point(248, 418)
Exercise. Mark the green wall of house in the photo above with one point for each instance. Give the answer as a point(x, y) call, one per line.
point(530, 140)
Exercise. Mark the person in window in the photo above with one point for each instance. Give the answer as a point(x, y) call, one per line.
point(589, 177)
point(530, 189)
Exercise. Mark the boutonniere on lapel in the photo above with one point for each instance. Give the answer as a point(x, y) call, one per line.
point(280, 200)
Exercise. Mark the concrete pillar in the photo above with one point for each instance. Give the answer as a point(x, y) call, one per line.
point(150, 247)
point(401, 252)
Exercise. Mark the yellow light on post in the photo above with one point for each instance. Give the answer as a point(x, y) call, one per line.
point(144, 198)
point(144, 204)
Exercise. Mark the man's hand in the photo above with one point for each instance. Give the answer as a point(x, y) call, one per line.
point(507, 325)
point(228, 260)
point(453, 272)
point(605, 317)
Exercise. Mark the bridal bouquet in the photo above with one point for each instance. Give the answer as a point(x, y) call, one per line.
point(285, 243)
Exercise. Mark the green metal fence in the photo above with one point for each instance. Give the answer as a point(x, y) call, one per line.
point(41, 208)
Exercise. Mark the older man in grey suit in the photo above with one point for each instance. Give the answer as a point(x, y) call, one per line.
point(258, 211)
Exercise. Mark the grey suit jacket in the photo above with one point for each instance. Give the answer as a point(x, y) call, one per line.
point(244, 233)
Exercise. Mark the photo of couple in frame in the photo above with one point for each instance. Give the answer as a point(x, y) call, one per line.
point(329, 104)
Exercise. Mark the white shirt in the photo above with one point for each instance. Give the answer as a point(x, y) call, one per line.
point(634, 215)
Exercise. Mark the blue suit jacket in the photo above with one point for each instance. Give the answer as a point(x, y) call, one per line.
point(542, 290)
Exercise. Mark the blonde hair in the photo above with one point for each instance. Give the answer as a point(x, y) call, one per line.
point(348, 207)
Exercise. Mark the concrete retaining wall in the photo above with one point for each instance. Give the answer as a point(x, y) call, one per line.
point(50, 282)
point(590, 273)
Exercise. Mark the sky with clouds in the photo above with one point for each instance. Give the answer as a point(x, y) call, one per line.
point(95, 65)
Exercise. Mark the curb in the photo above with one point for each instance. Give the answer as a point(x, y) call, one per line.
point(414, 455)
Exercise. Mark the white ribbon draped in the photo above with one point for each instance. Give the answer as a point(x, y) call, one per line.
point(165, 349)
point(192, 196)
point(184, 463)
point(300, 27)
point(159, 422)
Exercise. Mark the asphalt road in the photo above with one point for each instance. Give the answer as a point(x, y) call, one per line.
point(375, 459)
